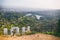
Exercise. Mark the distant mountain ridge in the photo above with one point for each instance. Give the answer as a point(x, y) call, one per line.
point(51, 13)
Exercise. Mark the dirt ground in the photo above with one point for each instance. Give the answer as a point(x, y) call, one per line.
point(30, 37)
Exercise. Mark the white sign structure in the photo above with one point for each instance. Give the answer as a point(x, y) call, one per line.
point(28, 28)
point(23, 30)
point(16, 29)
point(5, 31)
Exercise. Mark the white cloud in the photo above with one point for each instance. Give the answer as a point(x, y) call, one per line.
point(46, 4)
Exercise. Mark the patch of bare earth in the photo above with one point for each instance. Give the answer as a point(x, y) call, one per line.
point(31, 37)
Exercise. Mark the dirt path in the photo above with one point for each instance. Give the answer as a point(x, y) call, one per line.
point(31, 37)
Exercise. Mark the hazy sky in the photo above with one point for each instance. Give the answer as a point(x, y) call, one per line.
point(45, 4)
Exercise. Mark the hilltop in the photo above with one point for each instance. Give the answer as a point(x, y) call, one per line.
point(31, 37)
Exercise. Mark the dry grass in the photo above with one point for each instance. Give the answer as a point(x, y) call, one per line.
point(31, 37)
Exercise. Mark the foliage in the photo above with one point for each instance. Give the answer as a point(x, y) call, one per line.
point(50, 33)
point(10, 19)
point(57, 33)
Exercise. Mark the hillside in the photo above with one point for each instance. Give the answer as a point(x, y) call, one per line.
point(44, 21)
point(40, 21)
point(31, 37)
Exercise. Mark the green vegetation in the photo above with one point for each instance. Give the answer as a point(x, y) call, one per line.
point(50, 33)
point(57, 33)
point(43, 25)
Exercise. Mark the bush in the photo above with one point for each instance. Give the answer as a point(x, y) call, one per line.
point(1, 32)
point(19, 34)
point(57, 34)
point(29, 32)
point(50, 33)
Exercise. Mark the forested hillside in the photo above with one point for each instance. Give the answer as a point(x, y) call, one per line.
point(46, 23)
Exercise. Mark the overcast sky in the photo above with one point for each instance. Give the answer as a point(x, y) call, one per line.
point(45, 4)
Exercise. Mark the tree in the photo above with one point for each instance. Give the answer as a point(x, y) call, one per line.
point(58, 29)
